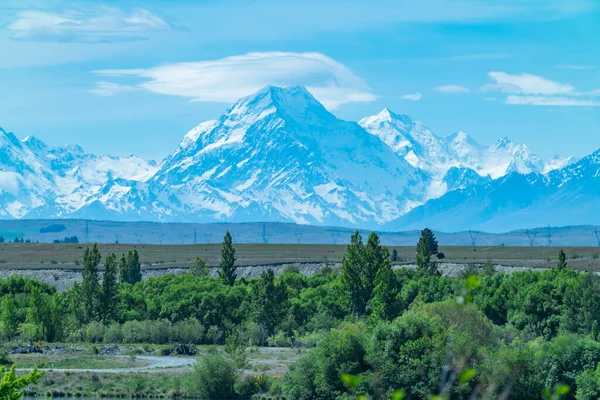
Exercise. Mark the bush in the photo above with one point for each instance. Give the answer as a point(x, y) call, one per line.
point(112, 334)
point(251, 385)
point(213, 377)
point(279, 340)
point(94, 332)
point(188, 331)
point(135, 332)
point(440, 256)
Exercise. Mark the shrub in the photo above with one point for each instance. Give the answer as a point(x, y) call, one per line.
point(213, 377)
point(251, 385)
point(112, 333)
point(94, 332)
point(188, 331)
point(279, 340)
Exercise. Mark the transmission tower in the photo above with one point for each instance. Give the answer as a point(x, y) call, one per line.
point(208, 237)
point(195, 237)
point(531, 235)
point(335, 235)
point(298, 234)
point(160, 236)
point(138, 237)
point(597, 235)
point(549, 236)
point(265, 236)
point(87, 231)
point(474, 235)
point(183, 238)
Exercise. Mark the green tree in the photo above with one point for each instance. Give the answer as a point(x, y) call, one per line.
point(424, 262)
point(110, 290)
point(562, 259)
point(360, 266)
point(351, 274)
point(213, 377)
point(38, 312)
point(269, 300)
point(385, 304)
point(11, 386)
point(200, 268)
point(130, 268)
point(10, 317)
point(228, 268)
point(429, 238)
point(90, 285)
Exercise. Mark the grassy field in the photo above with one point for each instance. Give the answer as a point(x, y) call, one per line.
point(69, 256)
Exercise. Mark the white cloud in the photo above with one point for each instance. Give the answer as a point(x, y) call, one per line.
point(550, 101)
point(525, 84)
point(104, 88)
point(227, 79)
point(452, 89)
point(577, 67)
point(412, 96)
point(105, 24)
point(528, 89)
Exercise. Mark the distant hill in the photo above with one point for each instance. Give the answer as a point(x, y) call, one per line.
point(273, 232)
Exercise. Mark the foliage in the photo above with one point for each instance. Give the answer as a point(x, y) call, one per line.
point(200, 268)
point(11, 386)
point(228, 268)
point(213, 377)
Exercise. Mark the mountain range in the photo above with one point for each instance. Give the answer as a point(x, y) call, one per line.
point(279, 155)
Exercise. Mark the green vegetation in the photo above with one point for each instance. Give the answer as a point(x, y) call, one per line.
point(370, 330)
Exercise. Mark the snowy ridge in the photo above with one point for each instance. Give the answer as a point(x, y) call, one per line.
point(279, 155)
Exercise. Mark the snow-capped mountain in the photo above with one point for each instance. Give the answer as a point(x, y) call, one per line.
point(277, 155)
point(52, 182)
point(567, 196)
point(436, 155)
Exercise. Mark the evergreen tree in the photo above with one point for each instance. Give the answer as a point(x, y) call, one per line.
point(269, 299)
point(110, 288)
point(385, 305)
point(200, 268)
point(562, 260)
point(10, 317)
point(90, 285)
point(424, 262)
point(123, 271)
point(351, 274)
point(130, 268)
point(228, 268)
point(134, 267)
point(429, 238)
point(375, 258)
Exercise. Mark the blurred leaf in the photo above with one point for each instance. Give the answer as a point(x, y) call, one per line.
point(399, 395)
point(473, 282)
point(467, 375)
point(351, 381)
point(562, 389)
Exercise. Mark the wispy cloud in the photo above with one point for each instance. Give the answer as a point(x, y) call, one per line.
point(577, 67)
point(551, 101)
point(106, 24)
point(528, 89)
point(104, 88)
point(452, 89)
point(227, 79)
point(412, 96)
point(525, 84)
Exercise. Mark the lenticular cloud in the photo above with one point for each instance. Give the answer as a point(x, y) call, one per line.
point(230, 78)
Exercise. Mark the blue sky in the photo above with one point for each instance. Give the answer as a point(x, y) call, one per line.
point(124, 77)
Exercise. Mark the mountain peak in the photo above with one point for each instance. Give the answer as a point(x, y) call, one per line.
point(294, 102)
point(34, 143)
